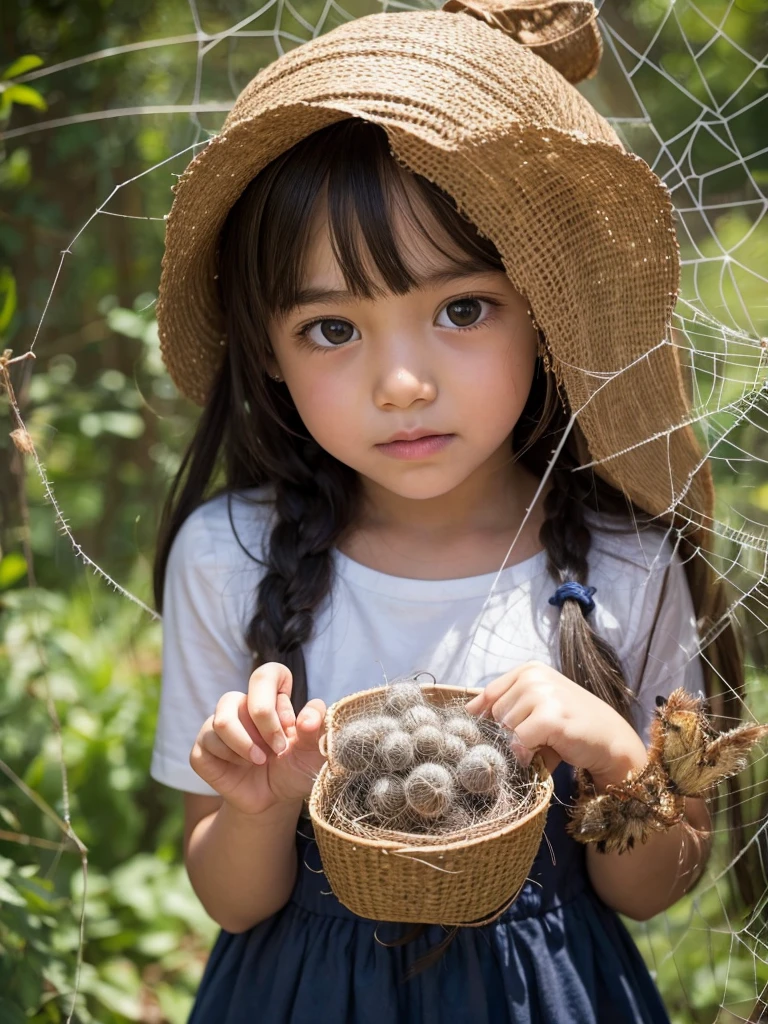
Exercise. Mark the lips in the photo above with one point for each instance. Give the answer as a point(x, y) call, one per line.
point(415, 444)
point(413, 435)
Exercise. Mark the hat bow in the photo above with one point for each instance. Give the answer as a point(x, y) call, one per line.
point(564, 33)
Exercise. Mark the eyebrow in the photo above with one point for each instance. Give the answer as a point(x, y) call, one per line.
point(328, 296)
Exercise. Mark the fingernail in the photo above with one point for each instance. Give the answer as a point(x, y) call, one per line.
point(523, 754)
point(279, 745)
point(258, 756)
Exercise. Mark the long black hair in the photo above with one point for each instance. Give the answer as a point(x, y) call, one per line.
point(250, 433)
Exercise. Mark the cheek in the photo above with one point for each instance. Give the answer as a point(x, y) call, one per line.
point(323, 404)
point(495, 387)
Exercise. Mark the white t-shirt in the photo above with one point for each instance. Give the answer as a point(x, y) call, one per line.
point(373, 625)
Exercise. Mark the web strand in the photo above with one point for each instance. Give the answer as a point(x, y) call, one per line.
point(719, 330)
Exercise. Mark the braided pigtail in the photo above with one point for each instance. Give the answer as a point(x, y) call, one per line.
point(312, 508)
point(585, 656)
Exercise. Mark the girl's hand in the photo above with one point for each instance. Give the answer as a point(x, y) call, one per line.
point(254, 751)
point(563, 722)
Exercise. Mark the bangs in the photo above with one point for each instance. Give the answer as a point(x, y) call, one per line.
point(348, 167)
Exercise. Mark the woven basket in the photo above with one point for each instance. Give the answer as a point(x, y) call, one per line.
point(464, 881)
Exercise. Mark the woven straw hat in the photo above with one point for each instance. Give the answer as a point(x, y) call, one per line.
point(477, 97)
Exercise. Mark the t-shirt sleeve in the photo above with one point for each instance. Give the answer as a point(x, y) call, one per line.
point(665, 653)
point(204, 652)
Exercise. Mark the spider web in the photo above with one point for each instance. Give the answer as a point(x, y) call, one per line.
point(696, 142)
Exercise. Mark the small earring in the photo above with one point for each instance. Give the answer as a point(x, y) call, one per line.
point(546, 362)
point(275, 376)
point(543, 350)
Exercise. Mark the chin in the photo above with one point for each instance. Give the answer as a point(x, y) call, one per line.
point(419, 493)
point(419, 484)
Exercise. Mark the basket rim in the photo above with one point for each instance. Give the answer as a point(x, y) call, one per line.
point(326, 744)
point(352, 698)
point(390, 846)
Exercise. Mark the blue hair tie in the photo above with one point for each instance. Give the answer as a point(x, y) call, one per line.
point(574, 592)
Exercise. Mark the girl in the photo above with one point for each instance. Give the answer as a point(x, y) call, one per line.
point(423, 295)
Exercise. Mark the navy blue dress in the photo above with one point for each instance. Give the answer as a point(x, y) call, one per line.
point(557, 956)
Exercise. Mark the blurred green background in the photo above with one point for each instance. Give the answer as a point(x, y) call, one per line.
point(109, 428)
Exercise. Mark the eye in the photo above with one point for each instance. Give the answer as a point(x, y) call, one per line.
point(329, 333)
point(464, 312)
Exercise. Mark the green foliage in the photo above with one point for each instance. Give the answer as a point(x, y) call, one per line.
point(7, 298)
point(13, 92)
point(145, 932)
point(86, 437)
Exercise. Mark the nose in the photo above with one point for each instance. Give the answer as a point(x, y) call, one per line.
point(400, 383)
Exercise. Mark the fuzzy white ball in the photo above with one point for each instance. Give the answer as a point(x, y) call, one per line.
point(401, 696)
point(482, 770)
point(356, 745)
point(383, 724)
point(396, 751)
point(386, 798)
point(415, 717)
point(454, 748)
point(429, 790)
point(465, 728)
point(428, 742)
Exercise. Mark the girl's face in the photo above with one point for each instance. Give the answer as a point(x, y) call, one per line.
point(415, 392)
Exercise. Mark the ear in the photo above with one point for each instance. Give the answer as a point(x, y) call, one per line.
point(660, 701)
point(273, 367)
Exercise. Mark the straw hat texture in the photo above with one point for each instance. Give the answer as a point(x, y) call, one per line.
point(478, 98)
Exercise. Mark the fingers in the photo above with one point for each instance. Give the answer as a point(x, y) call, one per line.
point(231, 723)
point(520, 708)
point(285, 712)
point(478, 703)
point(534, 732)
point(249, 726)
point(310, 725)
point(269, 704)
point(492, 692)
point(515, 691)
point(526, 745)
point(214, 745)
point(519, 749)
point(550, 758)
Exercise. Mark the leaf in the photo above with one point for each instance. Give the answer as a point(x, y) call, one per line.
point(156, 944)
point(760, 496)
point(128, 1004)
point(38, 900)
point(9, 895)
point(123, 424)
point(15, 173)
point(26, 96)
point(13, 567)
point(10, 1013)
point(8, 291)
point(6, 866)
point(132, 885)
point(6, 813)
point(125, 321)
point(176, 1005)
point(21, 65)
